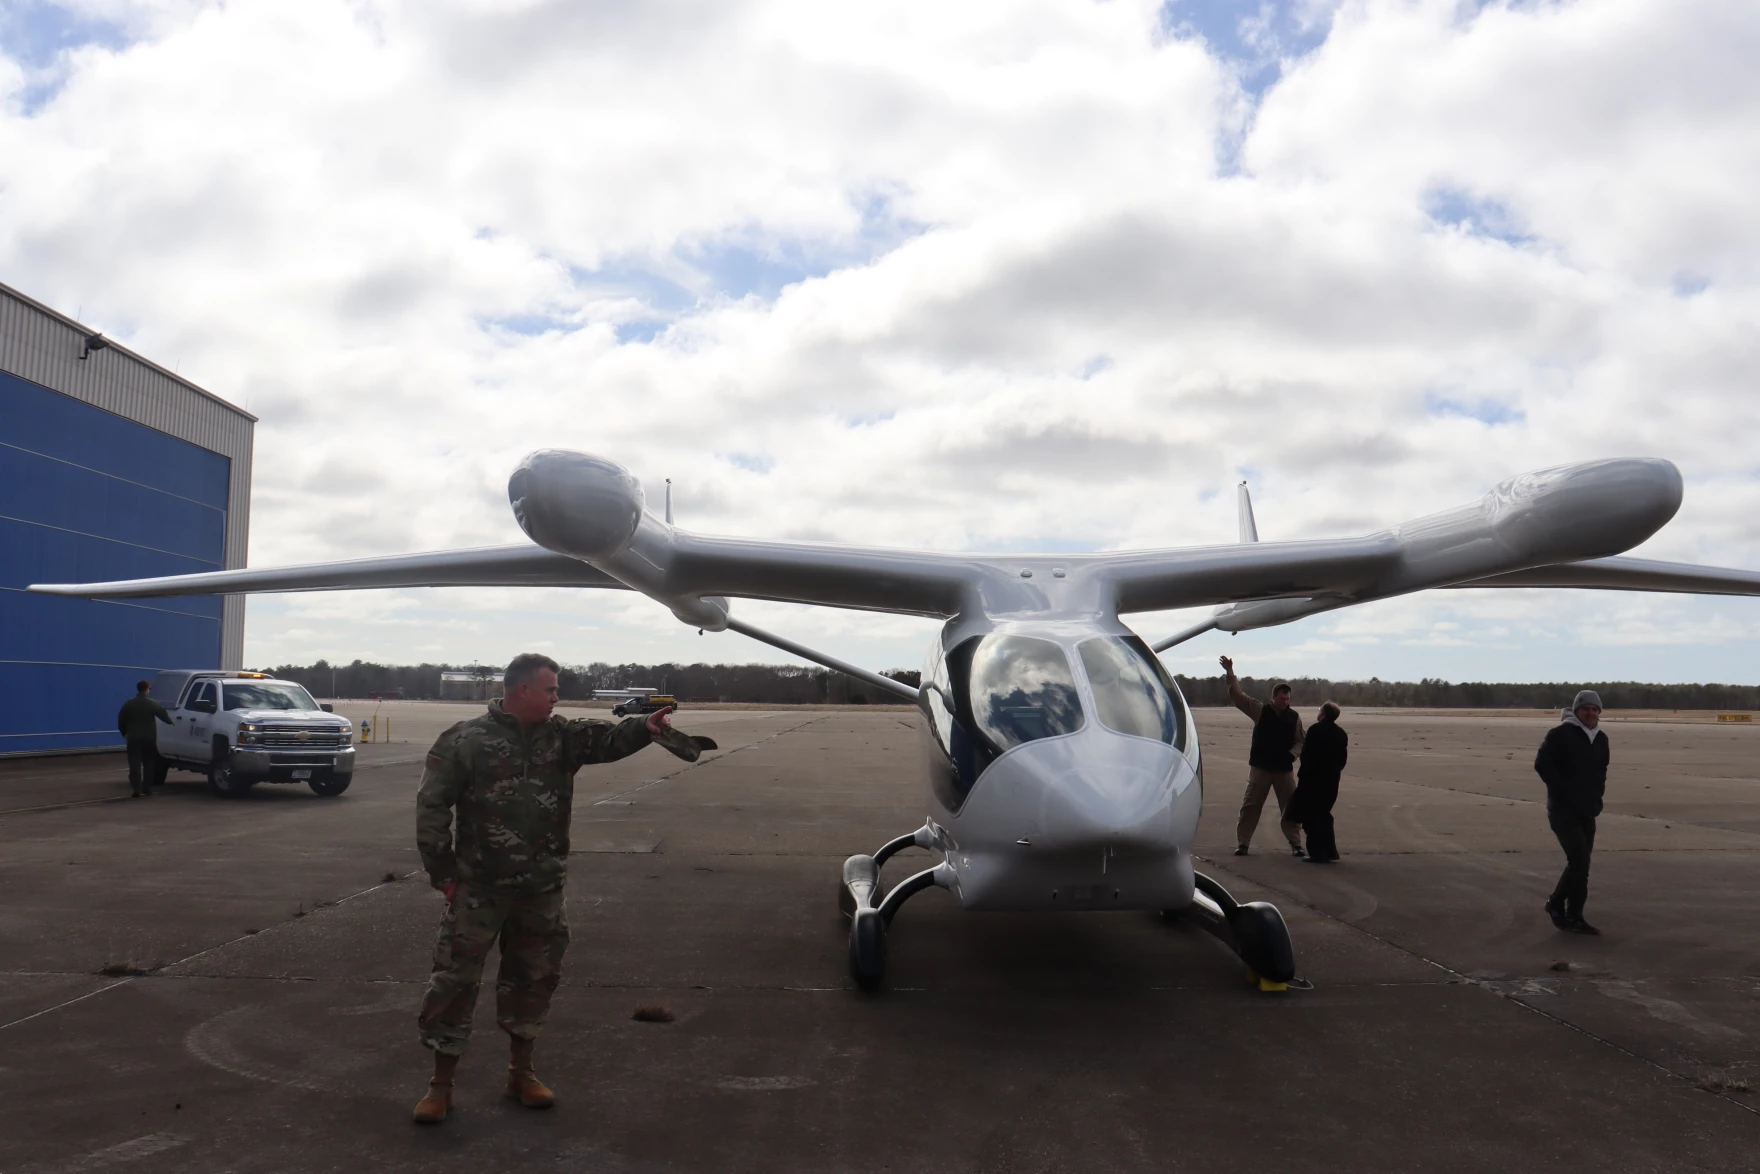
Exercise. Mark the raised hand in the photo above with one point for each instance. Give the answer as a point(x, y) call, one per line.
point(660, 719)
point(1227, 663)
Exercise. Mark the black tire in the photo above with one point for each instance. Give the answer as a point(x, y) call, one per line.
point(156, 776)
point(330, 786)
point(1263, 941)
point(221, 779)
point(617, 711)
point(867, 949)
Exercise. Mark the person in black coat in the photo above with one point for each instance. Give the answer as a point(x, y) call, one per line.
point(1323, 756)
point(1573, 764)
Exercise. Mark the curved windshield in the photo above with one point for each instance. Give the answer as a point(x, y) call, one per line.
point(1131, 689)
point(1022, 689)
point(266, 696)
point(988, 694)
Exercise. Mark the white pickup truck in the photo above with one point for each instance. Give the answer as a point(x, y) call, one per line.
point(244, 728)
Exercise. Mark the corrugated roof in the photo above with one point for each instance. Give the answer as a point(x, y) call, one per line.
point(87, 331)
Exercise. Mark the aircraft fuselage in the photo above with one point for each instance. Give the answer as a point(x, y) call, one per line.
point(1062, 768)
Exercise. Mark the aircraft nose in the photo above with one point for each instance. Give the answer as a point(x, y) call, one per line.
point(1096, 788)
point(575, 503)
point(1588, 510)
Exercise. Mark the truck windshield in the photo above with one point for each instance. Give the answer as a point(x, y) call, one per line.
point(268, 696)
point(1132, 693)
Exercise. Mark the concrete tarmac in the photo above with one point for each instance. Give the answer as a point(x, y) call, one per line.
point(1449, 1027)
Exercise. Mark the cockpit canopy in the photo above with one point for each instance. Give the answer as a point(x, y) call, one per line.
point(991, 693)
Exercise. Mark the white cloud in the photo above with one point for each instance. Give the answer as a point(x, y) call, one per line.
point(998, 275)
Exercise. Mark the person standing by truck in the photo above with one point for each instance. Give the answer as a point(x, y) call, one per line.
point(138, 723)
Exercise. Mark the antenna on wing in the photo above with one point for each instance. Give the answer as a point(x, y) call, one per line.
point(669, 500)
point(1249, 530)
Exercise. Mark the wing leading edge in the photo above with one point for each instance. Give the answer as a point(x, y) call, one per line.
point(487, 566)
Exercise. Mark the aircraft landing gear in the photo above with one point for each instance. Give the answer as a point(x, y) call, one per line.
point(858, 896)
point(1254, 931)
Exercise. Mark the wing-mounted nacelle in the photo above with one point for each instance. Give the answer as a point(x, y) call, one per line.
point(593, 509)
point(1545, 519)
point(1560, 515)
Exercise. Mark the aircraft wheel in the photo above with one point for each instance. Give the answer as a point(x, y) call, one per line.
point(867, 949)
point(1264, 942)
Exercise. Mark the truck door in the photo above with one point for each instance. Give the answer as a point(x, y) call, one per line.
point(192, 725)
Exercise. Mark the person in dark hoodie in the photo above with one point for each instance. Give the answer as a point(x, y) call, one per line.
point(1573, 764)
point(1324, 750)
point(137, 722)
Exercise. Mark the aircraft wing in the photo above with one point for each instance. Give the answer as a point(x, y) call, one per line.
point(587, 518)
point(1630, 574)
point(866, 578)
point(486, 566)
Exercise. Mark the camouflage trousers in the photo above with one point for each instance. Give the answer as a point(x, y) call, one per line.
point(533, 934)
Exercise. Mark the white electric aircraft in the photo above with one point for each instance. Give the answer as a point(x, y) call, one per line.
point(1062, 765)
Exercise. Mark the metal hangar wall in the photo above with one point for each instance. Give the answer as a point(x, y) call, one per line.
point(111, 467)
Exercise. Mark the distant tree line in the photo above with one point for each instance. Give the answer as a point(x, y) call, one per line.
point(761, 684)
point(1435, 693)
point(781, 684)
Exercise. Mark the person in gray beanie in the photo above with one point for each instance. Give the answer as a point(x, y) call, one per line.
point(1573, 764)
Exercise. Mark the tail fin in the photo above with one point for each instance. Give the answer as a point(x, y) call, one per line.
point(1249, 530)
point(1249, 533)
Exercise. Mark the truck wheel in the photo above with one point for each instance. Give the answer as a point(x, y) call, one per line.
point(222, 780)
point(330, 787)
point(160, 769)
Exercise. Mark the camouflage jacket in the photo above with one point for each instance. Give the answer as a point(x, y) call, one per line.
point(513, 789)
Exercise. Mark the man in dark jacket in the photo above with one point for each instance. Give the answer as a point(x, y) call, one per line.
point(1324, 750)
point(1573, 764)
point(137, 722)
point(1271, 760)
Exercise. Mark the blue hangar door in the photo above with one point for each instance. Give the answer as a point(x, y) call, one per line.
point(86, 495)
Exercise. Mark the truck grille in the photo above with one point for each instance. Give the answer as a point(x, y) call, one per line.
point(299, 738)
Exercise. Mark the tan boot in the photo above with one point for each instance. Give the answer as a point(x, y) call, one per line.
point(434, 1107)
point(522, 1083)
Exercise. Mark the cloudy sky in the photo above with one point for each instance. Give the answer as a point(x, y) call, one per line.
point(1022, 274)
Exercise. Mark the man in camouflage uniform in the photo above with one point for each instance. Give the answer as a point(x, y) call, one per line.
point(510, 776)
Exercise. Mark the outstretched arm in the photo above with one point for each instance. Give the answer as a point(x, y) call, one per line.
point(1251, 706)
point(601, 741)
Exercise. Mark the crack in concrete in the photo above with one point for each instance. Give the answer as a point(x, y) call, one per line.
point(165, 971)
point(1492, 987)
point(688, 767)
